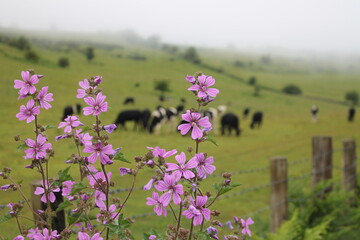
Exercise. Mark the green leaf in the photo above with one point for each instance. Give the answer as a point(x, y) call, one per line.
point(64, 175)
point(212, 139)
point(222, 190)
point(86, 129)
point(21, 147)
point(77, 188)
point(120, 156)
point(63, 205)
point(118, 227)
point(49, 126)
point(5, 218)
point(77, 217)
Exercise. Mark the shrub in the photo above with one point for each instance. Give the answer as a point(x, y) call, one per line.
point(63, 62)
point(31, 55)
point(352, 96)
point(191, 55)
point(21, 43)
point(252, 81)
point(292, 89)
point(89, 53)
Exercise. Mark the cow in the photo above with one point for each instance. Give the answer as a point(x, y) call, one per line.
point(314, 112)
point(246, 112)
point(129, 100)
point(230, 121)
point(351, 115)
point(256, 120)
point(140, 118)
point(163, 116)
point(71, 110)
point(214, 114)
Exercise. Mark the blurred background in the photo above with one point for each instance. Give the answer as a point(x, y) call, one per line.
point(286, 71)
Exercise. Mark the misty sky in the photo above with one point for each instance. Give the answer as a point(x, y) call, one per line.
point(323, 25)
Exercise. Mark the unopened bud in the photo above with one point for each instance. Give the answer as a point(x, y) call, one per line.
point(215, 213)
point(226, 175)
point(138, 159)
point(208, 194)
point(190, 149)
point(17, 138)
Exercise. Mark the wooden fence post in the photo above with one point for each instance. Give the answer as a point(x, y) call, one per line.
point(279, 191)
point(321, 159)
point(349, 164)
point(58, 221)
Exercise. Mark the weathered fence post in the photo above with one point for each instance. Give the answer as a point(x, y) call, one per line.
point(349, 164)
point(321, 159)
point(58, 221)
point(279, 191)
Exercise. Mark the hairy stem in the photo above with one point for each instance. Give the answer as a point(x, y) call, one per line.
point(179, 221)
point(191, 228)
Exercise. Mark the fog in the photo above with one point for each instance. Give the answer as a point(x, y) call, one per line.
point(312, 25)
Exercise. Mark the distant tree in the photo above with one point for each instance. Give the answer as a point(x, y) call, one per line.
point(352, 96)
point(31, 55)
point(292, 89)
point(191, 55)
point(89, 52)
point(21, 43)
point(252, 81)
point(63, 62)
point(162, 86)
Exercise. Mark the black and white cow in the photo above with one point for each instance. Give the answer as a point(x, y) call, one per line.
point(351, 115)
point(246, 112)
point(314, 112)
point(214, 114)
point(140, 118)
point(256, 120)
point(129, 100)
point(162, 116)
point(71, 110)
point(230, 121)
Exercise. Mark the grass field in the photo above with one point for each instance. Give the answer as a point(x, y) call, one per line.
point(287, 128)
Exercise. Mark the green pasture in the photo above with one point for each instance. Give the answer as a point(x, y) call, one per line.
point(287, 128)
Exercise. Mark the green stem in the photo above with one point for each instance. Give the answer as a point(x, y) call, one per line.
point(191, 228)
point(179, 220)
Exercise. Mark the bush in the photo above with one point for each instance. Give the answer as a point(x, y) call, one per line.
point(31, 55)
point(90, 54)
point(352, 96)
point(21, 43)
point(252, 81)
point(191, 55)
point(292, 89)
point(63, 62)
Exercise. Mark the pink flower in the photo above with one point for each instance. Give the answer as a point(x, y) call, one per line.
point(173, 191)
point(152, 237)
point(162, 153)
point(107, 216)
point(19, 237)
point(203, 89)
point(85, 236)
point(37, 149)
point(245, 225)
point(98, 180)
point(148, 185)
point(110, 128)
point(181, 170)
point(197, 211)
point(190, 79)
point(27, 85)
point(195, 122)
point(84, 138)
point(28, 112)
point(124, 171)
point(85, 86)
point(45, 97)
point(41, 190)
point(96, 106)
point(204, 165)
point(70, 123)
point(159, 203)
point(101, 151)
point(100, 197)
point(67, 187)
point(45, 235)
point(32, 233)
point(5, 187)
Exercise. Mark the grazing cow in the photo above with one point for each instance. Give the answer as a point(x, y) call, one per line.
point(71, 110)
point(163, 116)
point(140, 118)
point(230, 121)
point(246, 112)
point(352, 112)
point(129, 100)
point(214, 114)
point(314, 112)
point(256, 120)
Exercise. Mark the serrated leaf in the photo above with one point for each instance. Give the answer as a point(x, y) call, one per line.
point(63, 205)
point(21, 147)
point(5, 218)
point(228, 188)
point(64, 175)
point(212, 139)
point(49, 126)
point(120, 156)
point(77, 187)
point(86, 129)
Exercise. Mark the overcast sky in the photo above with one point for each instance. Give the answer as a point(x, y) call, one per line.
point(323, 25)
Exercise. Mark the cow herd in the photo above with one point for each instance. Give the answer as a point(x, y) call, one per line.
point(168, 119)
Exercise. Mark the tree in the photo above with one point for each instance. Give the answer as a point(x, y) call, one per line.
point(162, 86)
point(252, 81)
point(191, 55)
point(21, 43)
point(63, 62)
point(352, 96)
point(31, 56)
point(89, 52)
point(292, 89)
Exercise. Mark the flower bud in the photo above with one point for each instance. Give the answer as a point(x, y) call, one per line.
point(138, 159)
point(226, 175)
point(190, 149)
point(215, 213)
point(17, 138)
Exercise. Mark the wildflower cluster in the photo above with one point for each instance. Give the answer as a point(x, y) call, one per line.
point(176, 184)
